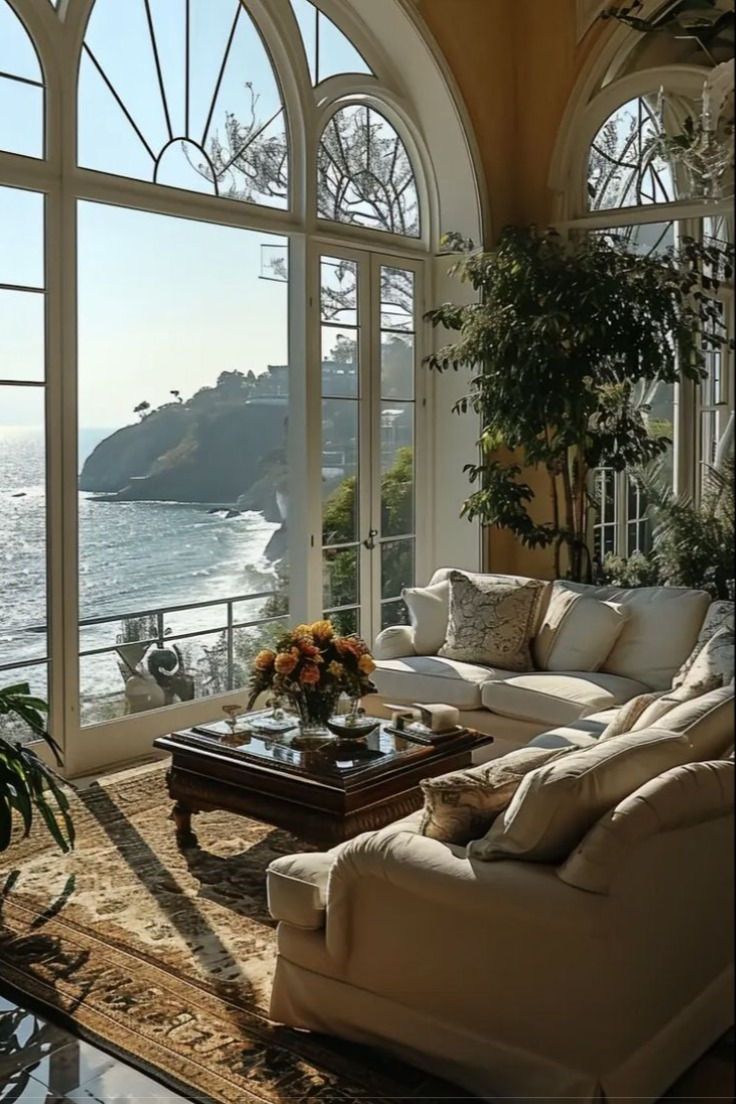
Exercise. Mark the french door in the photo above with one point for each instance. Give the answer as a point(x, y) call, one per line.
point(372, 426)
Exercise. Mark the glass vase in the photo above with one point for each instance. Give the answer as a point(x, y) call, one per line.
point(314, 709)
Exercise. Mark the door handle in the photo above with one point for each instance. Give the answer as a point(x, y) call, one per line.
point(370, 543)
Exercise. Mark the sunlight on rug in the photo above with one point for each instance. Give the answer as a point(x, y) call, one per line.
point(166, 957)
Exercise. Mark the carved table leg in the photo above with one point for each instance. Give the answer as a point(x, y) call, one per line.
point(181, 815)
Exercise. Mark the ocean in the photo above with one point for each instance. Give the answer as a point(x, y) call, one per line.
point(133, 556)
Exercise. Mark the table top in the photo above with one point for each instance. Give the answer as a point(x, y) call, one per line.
point(329, 760)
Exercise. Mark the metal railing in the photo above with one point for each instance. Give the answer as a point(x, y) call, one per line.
point(163, 635)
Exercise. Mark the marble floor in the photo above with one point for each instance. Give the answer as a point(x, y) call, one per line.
point(41, 1063)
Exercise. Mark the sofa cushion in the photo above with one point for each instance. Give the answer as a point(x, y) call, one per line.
point(660, 703)
point(580, 734)
point(555, 699)
point(714, 665)
point(429, 609)
point(460, 806)
point(578, 631)
point(662, 625)
point(707, 721)
point(492, 620)
point(557, 804)
point(720, 615)
point(680, 798)
point(630, 712)
point(297, 888)
point(433, 679)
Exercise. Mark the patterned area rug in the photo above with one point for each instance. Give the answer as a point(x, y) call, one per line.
point(165, 957)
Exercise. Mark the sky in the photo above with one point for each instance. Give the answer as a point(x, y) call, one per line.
point(164, 302)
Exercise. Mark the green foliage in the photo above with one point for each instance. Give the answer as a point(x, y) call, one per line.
point(693, 545)
point(637, 570)
point(564, 339)
point(26, 783)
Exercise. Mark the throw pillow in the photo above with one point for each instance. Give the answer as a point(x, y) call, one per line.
point(629, 714)
point(492, 620)
point(663, 704)
point(714, 665)
point(429, 609)
point(557, 804)
point(720, 615)
point(705, 720)
point(460, 806)
point(578, 633)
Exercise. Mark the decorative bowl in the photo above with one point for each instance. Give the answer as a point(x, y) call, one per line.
point(355, 730)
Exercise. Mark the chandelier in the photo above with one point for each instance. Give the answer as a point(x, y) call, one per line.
point(705, 145)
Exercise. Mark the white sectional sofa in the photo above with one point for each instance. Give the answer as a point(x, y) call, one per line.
point(661, 627)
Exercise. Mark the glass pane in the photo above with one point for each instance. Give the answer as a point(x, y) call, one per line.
point(22, 335)
point(648, 239)
point(202, 112)
point(340, 570)
point(336, 53)
point(184, 482)
point(345, 622)
point(37, 677)
point(339, 291)
point(364, 174)
point(397, 567)
point(21, 238)
point(397, 366)
point(306, 17)
point(17, 55)
point(21, 118)
point(624, 169)
point(339, 363)
point(394, 613)
point(397, 469)
point(397, 299)
point(339, 471)
point(23, 551)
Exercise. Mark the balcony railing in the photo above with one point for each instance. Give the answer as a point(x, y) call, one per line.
point(163, 635)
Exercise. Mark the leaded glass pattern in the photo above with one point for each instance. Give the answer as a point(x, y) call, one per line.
point(365, 175)
point(183, 93)
point(624, 169)
point(329, 52)
point(21, 88)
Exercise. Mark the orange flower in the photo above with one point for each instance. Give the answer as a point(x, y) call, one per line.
point(366, 664)
point(322, 630)
point(347, 646)
point(311, 651)
point(286, 661)
point(309, 675)
point(265, 659)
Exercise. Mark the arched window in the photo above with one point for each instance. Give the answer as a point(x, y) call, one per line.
point(329, 52)
point(364, 174)
point(184, 96)
point(244, 451)
point(21, 88)
point(625, 169)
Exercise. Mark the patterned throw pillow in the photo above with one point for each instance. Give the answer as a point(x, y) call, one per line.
point(720, 615)
point(461, 806)
point(629, 714)
point(492, 620)
point(714, 664)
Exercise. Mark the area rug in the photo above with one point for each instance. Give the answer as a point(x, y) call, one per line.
point(165, 957)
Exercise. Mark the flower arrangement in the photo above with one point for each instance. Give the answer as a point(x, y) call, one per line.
point(311, 666)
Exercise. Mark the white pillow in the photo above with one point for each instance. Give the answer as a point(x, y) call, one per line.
point(631, 713)
point(705, 720)
point(429, 609)
point(578, 633)
point(720, 615)
point(557, 804)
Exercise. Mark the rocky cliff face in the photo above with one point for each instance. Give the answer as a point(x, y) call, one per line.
point(217, 451)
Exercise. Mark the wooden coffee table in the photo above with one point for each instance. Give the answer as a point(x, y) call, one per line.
point(322, 795)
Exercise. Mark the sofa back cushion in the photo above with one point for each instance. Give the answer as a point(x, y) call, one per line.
point(492, 620)
point(660, 630)
point(578, 632)
point(429, 609)
point(707, 720)
point(720, 615)
point(557, 804)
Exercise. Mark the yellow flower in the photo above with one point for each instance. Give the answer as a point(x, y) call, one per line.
point(322, 630)
point(336, 669)
point(264, 660)
point(366, 665)
point(286, 661)
point(301, 631)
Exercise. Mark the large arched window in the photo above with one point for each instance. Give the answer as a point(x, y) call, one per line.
point(617, 178)
point(210, 338)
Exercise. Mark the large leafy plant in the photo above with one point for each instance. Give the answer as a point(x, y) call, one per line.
point(564, 342)
point(26, 783)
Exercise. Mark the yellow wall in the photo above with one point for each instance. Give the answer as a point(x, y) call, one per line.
point(515, 62)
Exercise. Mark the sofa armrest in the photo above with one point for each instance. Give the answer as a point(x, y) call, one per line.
point(679, 798)
point(296, 886)
point(438, 879)
point(395, 642)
